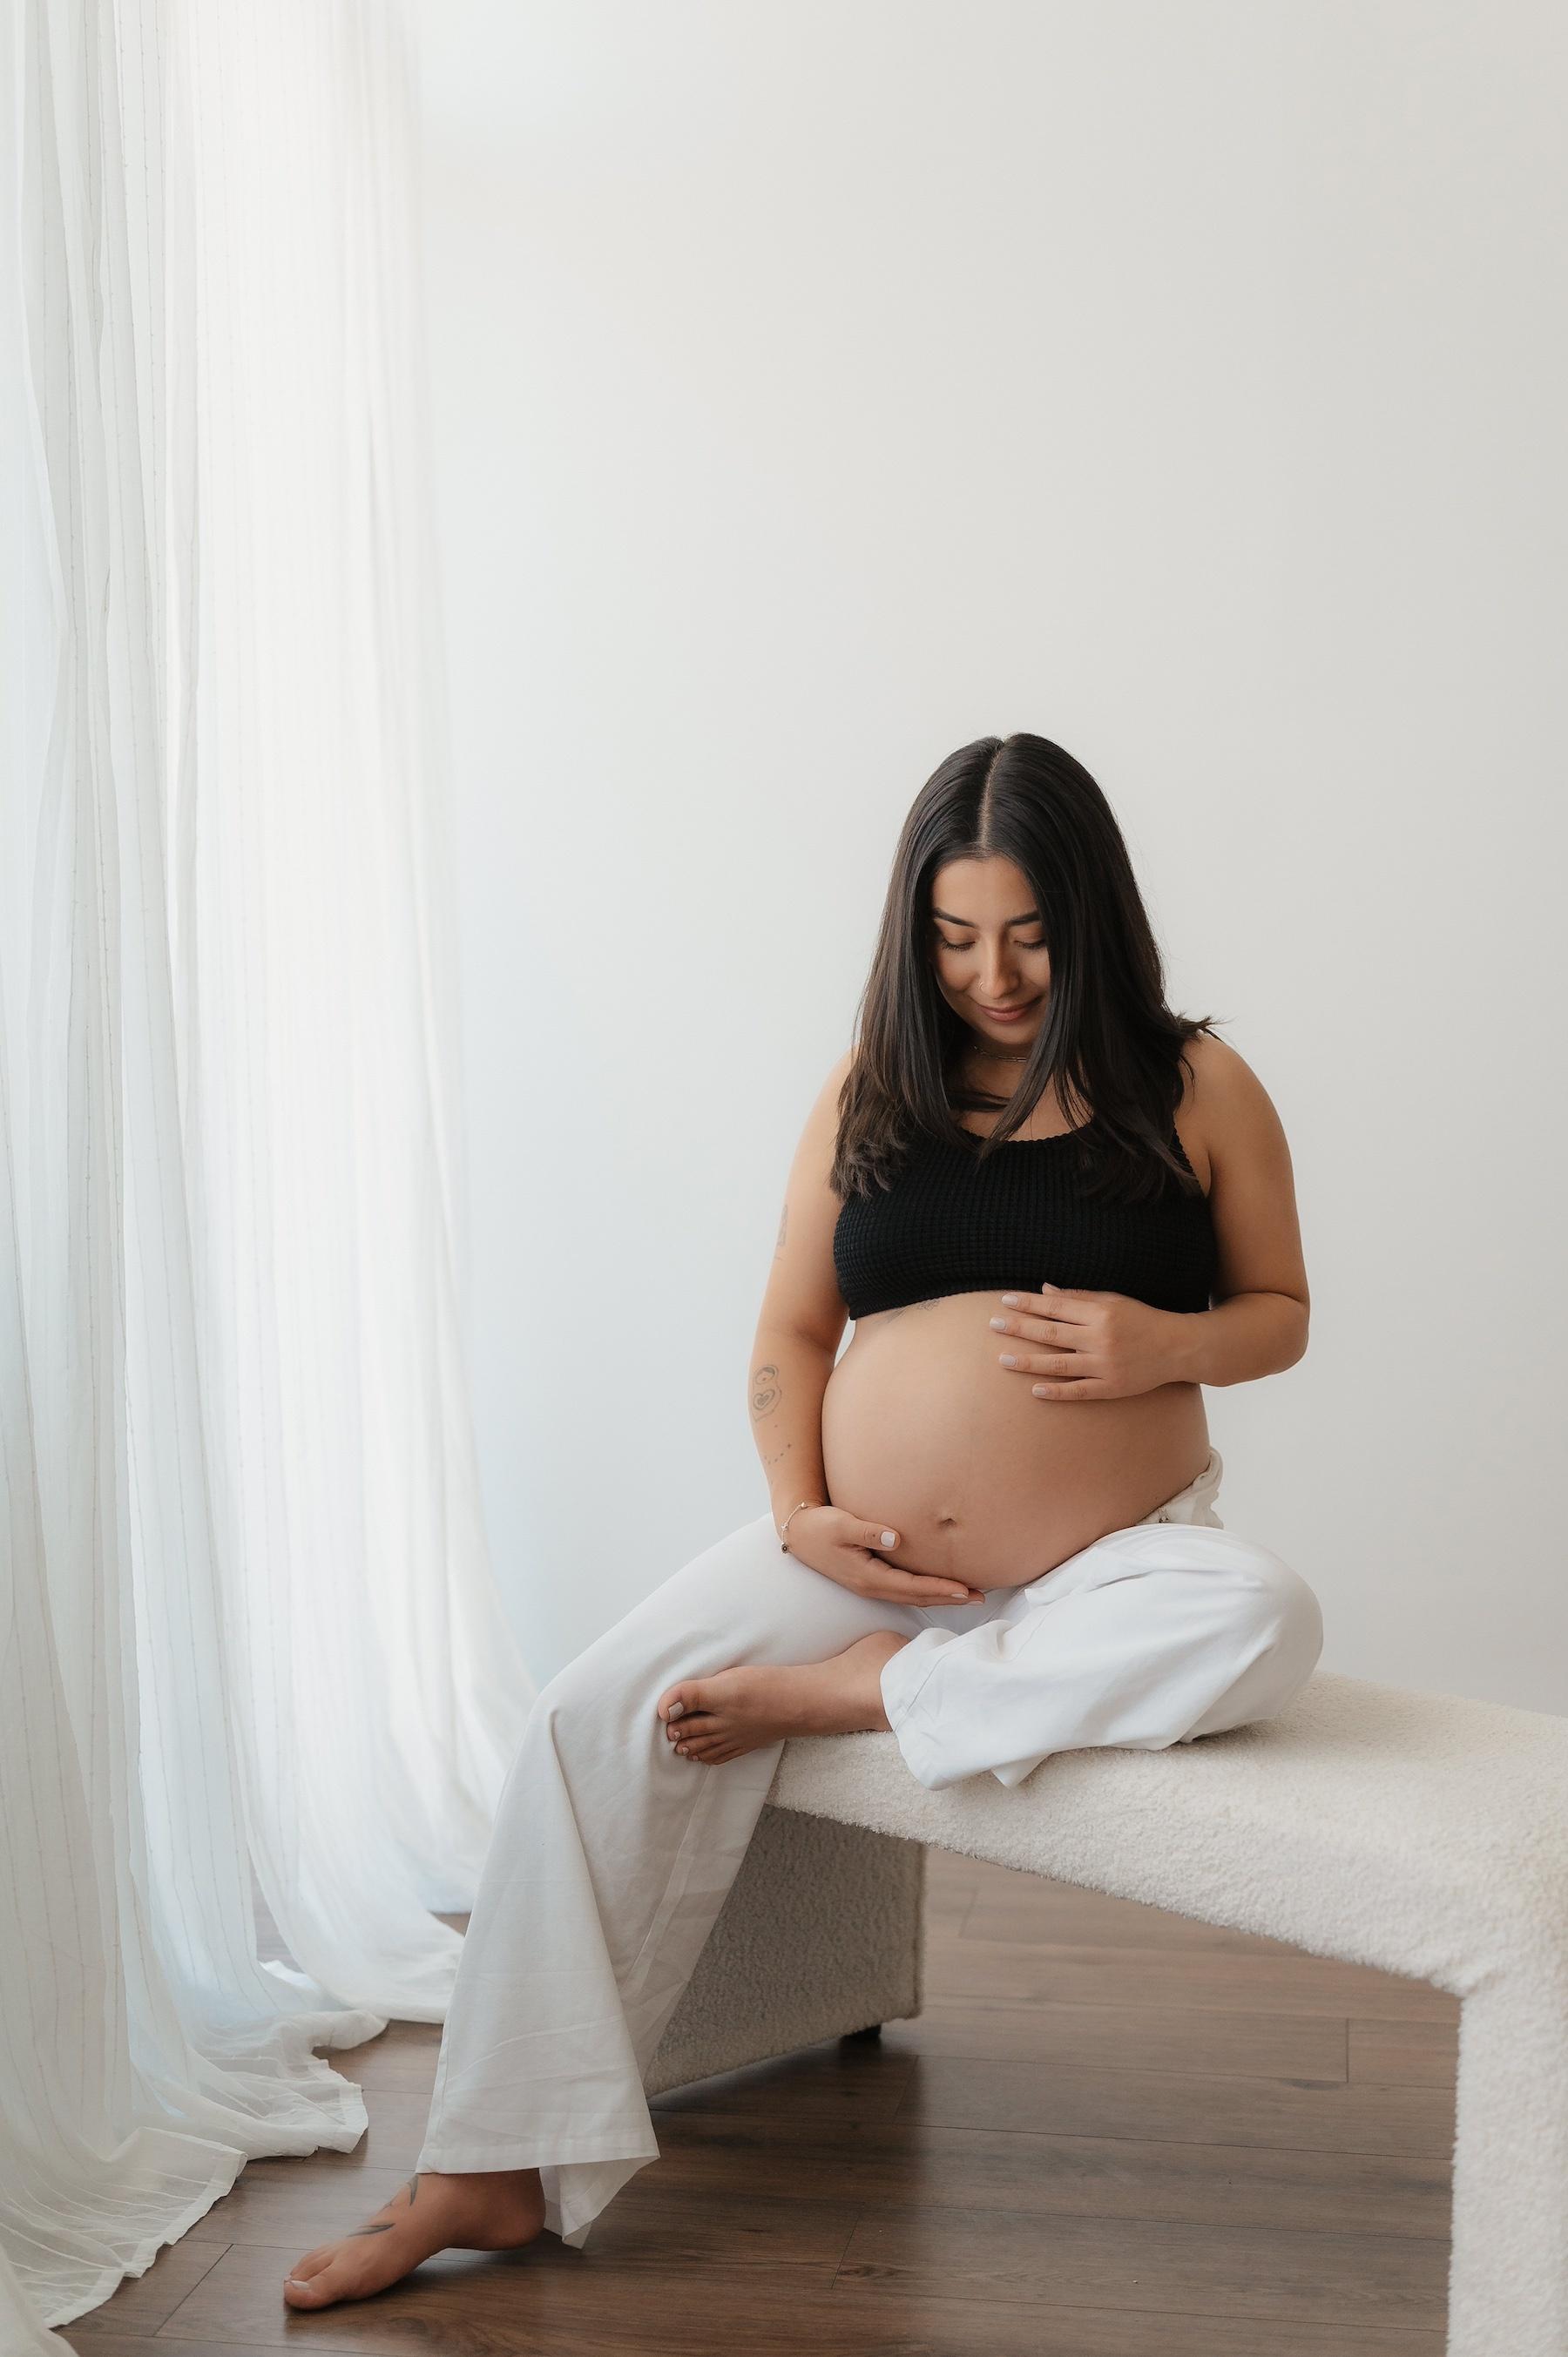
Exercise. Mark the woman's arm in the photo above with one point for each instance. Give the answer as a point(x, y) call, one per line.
point(802, 1318)
point(789, 1375)
point(1259, 1323)
point(797, 1335)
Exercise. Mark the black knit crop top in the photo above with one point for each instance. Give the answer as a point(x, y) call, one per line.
point(950, 1223)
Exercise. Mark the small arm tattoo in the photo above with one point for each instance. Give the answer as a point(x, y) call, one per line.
point(766, 1391)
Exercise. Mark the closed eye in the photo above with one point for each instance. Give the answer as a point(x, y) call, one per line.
point(969, 945)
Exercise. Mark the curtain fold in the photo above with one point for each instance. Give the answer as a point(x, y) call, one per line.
point(249, 1635)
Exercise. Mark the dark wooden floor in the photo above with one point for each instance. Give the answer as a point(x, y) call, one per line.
point(1112, 2132)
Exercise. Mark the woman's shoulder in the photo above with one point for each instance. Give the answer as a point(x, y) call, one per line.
point(819, 1138)
point(830, 1095)
point(1222, 1101)
point(1215, 1073)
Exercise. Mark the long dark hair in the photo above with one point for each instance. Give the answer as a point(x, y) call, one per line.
point(1109, 1041)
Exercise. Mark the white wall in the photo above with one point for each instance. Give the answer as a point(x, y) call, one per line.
point(820, 387)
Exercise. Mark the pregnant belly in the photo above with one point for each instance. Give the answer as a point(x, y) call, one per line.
point(924, 1431)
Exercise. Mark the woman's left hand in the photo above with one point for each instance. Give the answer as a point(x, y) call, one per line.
point(1087, 1345)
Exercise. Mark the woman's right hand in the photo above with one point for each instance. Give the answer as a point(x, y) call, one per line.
point(842, 1548)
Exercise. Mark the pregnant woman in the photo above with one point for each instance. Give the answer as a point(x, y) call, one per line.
point(1054, 1210)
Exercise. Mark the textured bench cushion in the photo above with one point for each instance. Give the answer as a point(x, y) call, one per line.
point(1417, 1833)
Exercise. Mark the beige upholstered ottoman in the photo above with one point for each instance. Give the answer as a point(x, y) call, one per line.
point(1413, 1832)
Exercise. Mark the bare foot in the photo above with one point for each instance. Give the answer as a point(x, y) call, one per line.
point(738, 1710)
point(492, 2209)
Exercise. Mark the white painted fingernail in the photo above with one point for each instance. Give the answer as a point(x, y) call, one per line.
point(889, 1538)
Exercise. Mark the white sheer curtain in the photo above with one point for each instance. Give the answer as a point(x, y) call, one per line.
point(246, 1615)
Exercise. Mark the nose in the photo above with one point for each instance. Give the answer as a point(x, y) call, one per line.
point(998, 977)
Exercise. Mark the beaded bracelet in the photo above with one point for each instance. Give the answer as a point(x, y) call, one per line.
point(784, 1533)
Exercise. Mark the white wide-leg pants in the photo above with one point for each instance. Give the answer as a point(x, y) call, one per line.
point(612, 1854)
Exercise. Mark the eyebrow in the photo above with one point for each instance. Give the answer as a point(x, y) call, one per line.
point(1029, 916)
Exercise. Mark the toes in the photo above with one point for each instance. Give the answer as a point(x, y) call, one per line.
point(676, 1700)
point(690, 1723)
point(710, 1742)
point(323, 2275)
point(345, 2274)
point(313, 2292)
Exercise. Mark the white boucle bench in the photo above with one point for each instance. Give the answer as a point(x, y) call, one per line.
point(1416, 1833)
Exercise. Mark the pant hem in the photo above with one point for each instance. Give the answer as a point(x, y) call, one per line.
point(447, 2162)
